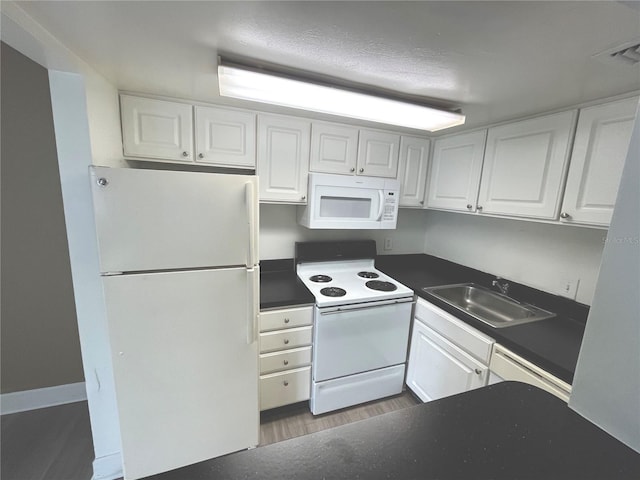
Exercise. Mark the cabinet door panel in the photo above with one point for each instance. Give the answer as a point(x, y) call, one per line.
point(156, 129)
point(524, 166)
point(412, 170)
point(283, 158)
point(599, 151)
point(378, 154)
point(438, 368)
point(455, 172)
point(334, 148)
point(225, 137)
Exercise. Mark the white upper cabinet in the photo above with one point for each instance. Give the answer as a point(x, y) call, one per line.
point(283, 158)
point(156, 129)
point(599, 152)
point(524, 166)
point(334, 148)
point(378, 154)
point(412, 170)
point(455, 171)
point(225, 137)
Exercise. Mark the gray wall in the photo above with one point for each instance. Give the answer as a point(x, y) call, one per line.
point(39, 334)
point(606, 386)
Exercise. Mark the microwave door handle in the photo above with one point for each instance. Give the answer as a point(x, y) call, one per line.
point(380, 210)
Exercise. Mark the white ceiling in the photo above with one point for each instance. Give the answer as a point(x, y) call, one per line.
point(495, 60)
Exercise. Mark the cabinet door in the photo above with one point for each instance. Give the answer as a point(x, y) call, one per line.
point(412, 170)
point(378, 154)
point(283, 158)
point(455, 171)
point(599, 151)
point(156, 129)
point(437, 368)
point(225, 137)
point(334, 148)
point(524, 166)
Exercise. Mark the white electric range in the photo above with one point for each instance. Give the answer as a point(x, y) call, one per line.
point(361, 324)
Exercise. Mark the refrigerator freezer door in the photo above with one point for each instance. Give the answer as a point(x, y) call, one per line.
point(186, 378)
point(157, 219)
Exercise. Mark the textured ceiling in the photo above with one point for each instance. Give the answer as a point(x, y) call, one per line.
point(495, 60)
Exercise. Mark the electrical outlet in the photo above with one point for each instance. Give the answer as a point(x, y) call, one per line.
point(569, 287)
point(388, 243)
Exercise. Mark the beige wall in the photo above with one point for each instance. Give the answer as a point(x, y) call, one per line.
point(540, 255)
point(39, 337)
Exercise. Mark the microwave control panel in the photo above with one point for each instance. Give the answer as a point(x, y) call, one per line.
point(390, 205)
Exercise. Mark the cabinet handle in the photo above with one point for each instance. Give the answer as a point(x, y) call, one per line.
point(421, 202)
point(103, 182)
point(286, 384)
point(361, 170)
point(478, 371)
point(200, 155)
point(286, 341)
point(286, 362)
point(469, 206)
point(352, 170)
point(286, 320)
point(565, 215)
point(304, 197)
point(479, 208)
point(185, 154)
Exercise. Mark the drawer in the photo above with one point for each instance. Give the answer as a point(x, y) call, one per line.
point(466, 337)
point(285, 360)
point(285, 339)
point(286, 387)
point(289, 318)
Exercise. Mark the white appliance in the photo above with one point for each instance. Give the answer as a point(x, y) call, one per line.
point(179, 261)
point(361, 324)
point(350, 202)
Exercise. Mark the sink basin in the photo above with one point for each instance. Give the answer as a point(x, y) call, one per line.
point(487, 306)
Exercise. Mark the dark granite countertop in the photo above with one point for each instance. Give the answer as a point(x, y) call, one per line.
point(552, 344)
point(280, 286)
point(505, 431)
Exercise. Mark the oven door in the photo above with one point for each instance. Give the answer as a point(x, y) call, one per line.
point(358, 338)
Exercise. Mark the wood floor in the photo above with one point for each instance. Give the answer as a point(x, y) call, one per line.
point(55, 443)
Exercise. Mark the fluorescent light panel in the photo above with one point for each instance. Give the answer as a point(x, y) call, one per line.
point(247, 84)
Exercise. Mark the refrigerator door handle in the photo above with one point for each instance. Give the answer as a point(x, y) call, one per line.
point(253, 283)
point(250, 202)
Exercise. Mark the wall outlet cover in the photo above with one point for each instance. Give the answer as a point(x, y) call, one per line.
point(388, 243)
point(568, 287)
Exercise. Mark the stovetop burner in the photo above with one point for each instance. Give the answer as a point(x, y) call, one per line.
point(380, 285)
point(333, 292)
point(320, 278)
point(368, 274)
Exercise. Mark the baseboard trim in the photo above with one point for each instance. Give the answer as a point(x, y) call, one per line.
point(15, 402)
point(108, 467)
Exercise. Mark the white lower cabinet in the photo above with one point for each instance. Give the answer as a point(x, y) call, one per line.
point(446, 355)
point(285, 356)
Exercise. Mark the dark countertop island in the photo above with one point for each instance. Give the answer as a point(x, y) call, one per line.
point(505, 431)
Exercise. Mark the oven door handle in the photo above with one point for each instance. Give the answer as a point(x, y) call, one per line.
point(354, 309)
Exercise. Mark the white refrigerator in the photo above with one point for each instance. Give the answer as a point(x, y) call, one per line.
point(179, 264)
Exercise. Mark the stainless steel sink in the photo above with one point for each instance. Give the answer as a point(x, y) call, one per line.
point(487, 306)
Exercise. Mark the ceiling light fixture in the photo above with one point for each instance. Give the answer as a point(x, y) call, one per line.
point(247, 84)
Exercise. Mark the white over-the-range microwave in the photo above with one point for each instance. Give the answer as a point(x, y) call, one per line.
point(350, 202)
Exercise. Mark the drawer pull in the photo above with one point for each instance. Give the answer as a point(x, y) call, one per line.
point(286, 320)
point(286, 341)
point(286, 383)
point(478, 371)
point(286, 362)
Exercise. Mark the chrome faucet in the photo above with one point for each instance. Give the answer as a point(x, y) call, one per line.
point(501, 285)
